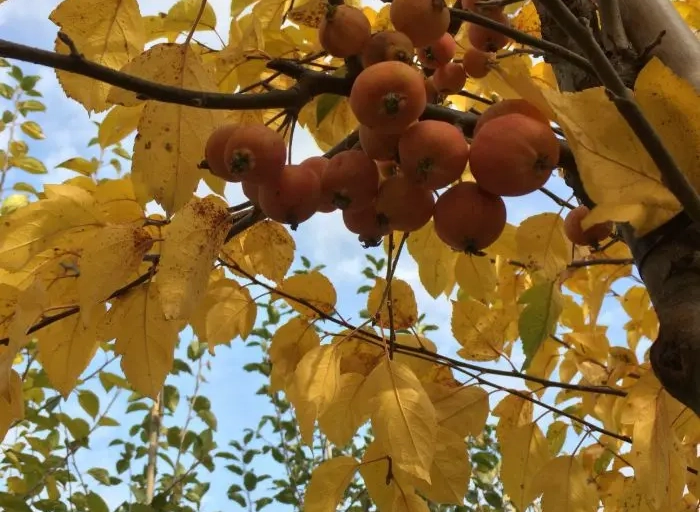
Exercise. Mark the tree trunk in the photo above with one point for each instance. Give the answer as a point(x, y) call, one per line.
point(668, 258)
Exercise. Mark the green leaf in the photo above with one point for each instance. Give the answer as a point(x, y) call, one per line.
point(16, 73)
point(262, 502)
point(99, 474)
point(6, 91)
point(89, 402)
point(77, 427)
point(250, 481)
point(106, 421)
point(95, 503)
point(28, 164)
point(7, 116)
point(33, 130)
point(171, 397)
point(201, 403)
point(30, 106)
point(29, 82)
point(20, 186)
point(12, 503)
point(81, 165)
point(539, 318)
point(110, 380)
point(325, 105)
point(4, 63)
point(209, 418)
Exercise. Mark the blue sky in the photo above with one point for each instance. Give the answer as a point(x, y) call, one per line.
point(323, 239)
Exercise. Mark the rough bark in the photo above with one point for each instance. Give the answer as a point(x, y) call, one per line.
point(668, 259)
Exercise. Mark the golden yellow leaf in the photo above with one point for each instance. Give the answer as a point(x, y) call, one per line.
point(334, 127)
point(542, 244)
point(435, 260)
point(566, 486)
point(112, 35)
point(329, 480)
point(117, 202)
point(108, 262)
point(308, 13)
point(543, 364)
point(643, 320)
point(524, 452)
point(408, 501)
point(316, 383)
point(30, 305)
point(690, 12)
point(344, 415)
point(357, 354)
point(476, 275)
point(479, 329)
point(314, 289)
point(451, 470)
point(11, 402)
point(418, 365)
point(527, 20)
point(374, 470)
point(145, 339)
point(180, 18)
point(119, 123)
point(225, 312)
point(593, 342)
point(403, 418)
point(513, 412)
point(463, 410)
point(289, 344)
point(269, 249)
point(404, 310)
point(192, 242)
point(66, 210)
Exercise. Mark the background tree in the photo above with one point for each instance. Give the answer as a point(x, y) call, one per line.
point(121, 266)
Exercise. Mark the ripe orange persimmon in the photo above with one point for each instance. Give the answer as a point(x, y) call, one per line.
point(513, 155)
point(254, 153)
point(511, 106)
point(469, 219)
point(387, 45)
point(439, 53)
point(471, 5)
point(486, 39)
point(591, 236)
point(431, 93)
point(367, 223)
point(379, 146)
point(476, 63)
point(251, 191)
point(319, 164)
point(214, 150)
point(388, 96)
point(404, 204)
point(293, 198)
point(433, 153)
point(344, 31)
point(351, 180)
point(450, 78)
point(387, 169)
point(423, 21)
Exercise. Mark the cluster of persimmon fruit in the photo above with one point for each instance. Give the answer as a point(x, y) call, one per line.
point(392, 179)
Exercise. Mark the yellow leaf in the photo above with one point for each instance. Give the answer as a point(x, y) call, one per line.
point(435, 260)
point(180, 18)
point(593, 343)
point(108, 262)
point(403, 418)
point(374, 470)
point(357, 355)
point(513, 412)
point(479, 329)
point(543, 364)
point(308, 13)
point(11, 403)
point(524, 452)
point(145, 339)
point(117, 202)
point(30, 230)
point(418, 365)
point(690, 13)
point(333, 128)
point(289, 344)
point(527, 20)
point(329, 480)
point(316, 383)
point(476, 275)
point(566, 486)
point(407, 501)
point(542, 244)
point(269, 249)
point(451, 470)
point(404, 310)
point(312, 288)
point(118, 124)
point(226, 312)
point(463, 410)
point(344, 416)
point(192, 242)
point(112, 35)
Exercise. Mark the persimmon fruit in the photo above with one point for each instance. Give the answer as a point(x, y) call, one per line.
point(513, 155)
point(351, 180)
point(367, 223)
point(254, 153)
point(379, 146)
point(405, 205)
point(450, 78)
point(251, 191)
point(576, 233)
point(388, 96)
point(471, 5)
point(431, 93)
point(433, 153)
point(476, 63)
point(439, 53)
point(214, 150)
point(387, 45)
point(423, 21)
point(510, 106)
point(344, 31)
point(294, 197)
point(467, 218)
point(319, 164)
point(486, 39)
point(387, 169)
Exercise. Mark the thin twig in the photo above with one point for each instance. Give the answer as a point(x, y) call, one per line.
point(202, 6)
